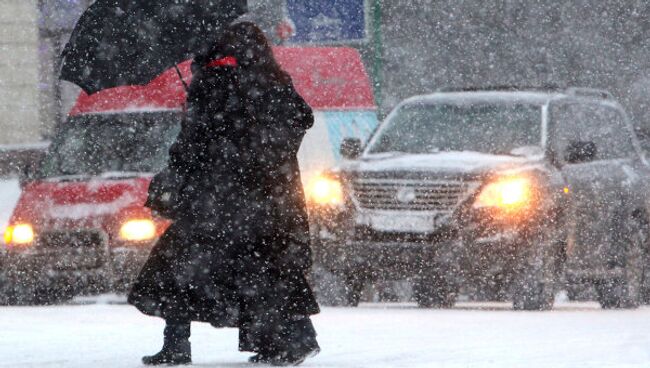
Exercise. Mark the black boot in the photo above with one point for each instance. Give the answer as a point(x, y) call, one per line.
point(299, 343)
point(262, 358)
point(176, 348)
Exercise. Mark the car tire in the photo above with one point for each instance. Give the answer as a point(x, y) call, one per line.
point(6, 293)
point(626, 292)
point(14, 296)
point(435, 291)
point(537, 276)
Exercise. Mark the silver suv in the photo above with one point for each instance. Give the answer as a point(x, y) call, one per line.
point(501, 189)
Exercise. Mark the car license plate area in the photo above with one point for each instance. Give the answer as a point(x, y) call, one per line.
point(76, 239)
point(405, 223)
point(75, 259)
point(73, 250)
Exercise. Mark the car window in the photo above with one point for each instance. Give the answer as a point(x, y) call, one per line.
point(495, 127)
point(602, 125)
point(103, 143)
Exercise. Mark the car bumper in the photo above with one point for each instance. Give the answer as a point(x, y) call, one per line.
point(378, 259)
point(404, 259)
point(82, 270)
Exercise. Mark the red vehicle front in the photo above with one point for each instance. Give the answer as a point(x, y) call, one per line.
point(80, 225)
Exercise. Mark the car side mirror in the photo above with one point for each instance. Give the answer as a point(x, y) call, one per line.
point(351, 148)
point(28, 163)
point(580, 151)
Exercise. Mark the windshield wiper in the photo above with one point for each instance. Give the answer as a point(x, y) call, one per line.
point(69, 177)
point(525, 151)
point(387, 153)
point(122, 174)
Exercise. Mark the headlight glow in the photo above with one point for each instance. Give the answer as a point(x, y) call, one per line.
point(324, 190)
point(19, 234)
point(508, 194)
point(138, 230)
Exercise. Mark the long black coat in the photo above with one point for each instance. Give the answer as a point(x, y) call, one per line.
point(240, 247)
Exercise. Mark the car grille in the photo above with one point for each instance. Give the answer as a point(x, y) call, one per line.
point(72, 239)
point(410, 195)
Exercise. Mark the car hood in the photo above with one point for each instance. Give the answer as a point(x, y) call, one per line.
point(80, 203)
point(443, 163)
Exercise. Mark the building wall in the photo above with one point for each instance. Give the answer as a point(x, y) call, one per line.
point(19, 72)
point(428, 44)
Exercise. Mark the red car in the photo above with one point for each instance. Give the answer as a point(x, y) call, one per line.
point(80, 225)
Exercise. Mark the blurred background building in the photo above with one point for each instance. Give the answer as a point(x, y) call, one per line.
point(19, 72)
point(409, 47)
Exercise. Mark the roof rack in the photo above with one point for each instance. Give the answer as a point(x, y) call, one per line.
point(589, 92)
point(505, 87)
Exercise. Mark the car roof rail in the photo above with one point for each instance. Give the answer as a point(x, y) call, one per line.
point(589, 92)
point(504, 88)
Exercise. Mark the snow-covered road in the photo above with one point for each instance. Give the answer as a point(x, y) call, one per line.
point(374, 335)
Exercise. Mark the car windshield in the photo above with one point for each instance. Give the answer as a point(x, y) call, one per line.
point(111, 143)
point(495, 128)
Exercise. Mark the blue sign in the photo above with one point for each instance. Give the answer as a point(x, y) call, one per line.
point(326, 21)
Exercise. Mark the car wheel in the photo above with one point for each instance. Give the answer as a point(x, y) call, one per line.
point(435, 291)
point(645, 294)
point(536, 280)
point(626, 291)
point(7, 294)
point(19, 295)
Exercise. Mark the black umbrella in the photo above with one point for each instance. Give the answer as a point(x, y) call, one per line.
point(130, 42)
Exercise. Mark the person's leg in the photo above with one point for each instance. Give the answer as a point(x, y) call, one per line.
point(176, 347)
point(259, 329)
point(273, 325)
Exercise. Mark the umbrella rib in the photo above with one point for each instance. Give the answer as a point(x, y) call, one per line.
point(180, 76)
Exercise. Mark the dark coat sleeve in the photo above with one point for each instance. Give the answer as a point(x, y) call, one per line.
point(279, 128)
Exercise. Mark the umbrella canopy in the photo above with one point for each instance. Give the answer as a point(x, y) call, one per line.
point(126, 42)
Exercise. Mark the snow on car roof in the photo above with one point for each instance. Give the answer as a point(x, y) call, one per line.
point(533, 97)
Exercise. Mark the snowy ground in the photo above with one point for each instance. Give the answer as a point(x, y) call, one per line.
point(374, 335)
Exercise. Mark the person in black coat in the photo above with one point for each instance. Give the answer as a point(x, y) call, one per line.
point(238, 251)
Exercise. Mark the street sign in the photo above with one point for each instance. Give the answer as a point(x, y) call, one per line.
point(327, 21)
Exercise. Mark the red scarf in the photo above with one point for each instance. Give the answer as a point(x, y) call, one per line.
point(224, 61)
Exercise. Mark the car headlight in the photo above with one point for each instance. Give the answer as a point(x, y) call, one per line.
point(19, 234)
point(323, 190)
point(138, 230)
point(509, 194)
